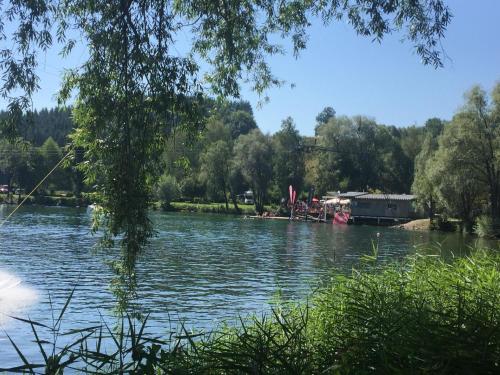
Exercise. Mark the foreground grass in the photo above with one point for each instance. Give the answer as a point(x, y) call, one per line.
point(423, 316)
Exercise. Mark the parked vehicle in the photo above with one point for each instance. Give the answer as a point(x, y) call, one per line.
point(4, 189)
point(248, 197)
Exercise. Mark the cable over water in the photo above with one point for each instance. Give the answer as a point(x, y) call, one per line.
point(34, 189)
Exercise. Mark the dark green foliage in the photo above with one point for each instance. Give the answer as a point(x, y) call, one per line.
point(240, 123)
point(288, 160)
point(458, 168)
point(14, 162)
point(167, 190)
point(37, 126)
point(358, 154)
point(253, 155)
point(24, 166)
point(487, 227)
point(323, 117)
point(216, 168)
point(423, 184)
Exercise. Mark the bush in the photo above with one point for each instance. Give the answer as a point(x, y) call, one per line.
point(487, 227)
point(442, 223)
point(167, 190)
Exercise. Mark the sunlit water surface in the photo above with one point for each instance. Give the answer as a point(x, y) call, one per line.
point(202, 269)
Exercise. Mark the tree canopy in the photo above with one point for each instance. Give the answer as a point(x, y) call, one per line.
point(460, 169)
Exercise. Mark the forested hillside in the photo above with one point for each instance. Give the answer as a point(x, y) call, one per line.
point(40, 125)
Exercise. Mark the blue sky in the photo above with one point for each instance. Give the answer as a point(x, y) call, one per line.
point(357, 76)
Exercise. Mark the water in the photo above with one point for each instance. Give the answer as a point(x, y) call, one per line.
point(202, 269)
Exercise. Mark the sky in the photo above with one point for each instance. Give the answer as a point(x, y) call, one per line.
point(356, 76)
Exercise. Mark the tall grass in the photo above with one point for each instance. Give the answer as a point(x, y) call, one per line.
point(487, 227)
point(421, 316)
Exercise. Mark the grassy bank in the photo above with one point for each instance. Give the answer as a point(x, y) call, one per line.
point(70, 201)
point(46, 200)
point(423, 316)
point(244, 209)
point(212, 208)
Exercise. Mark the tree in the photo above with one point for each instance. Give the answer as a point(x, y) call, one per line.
point(288, 160)
point(14, 160)
point(323, 117)
point(455, 181)
point(424, 187)
point(133, 85)
point(167, 190)
point(50, 154)
point(253, 153)
point(215, 166)
point(461, 172)
point(349, 154)
point(478, 129)
point(240, 123)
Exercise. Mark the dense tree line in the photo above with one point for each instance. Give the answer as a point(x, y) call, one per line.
point(38, 126)
point(23, 166)
point(453, 167)
point(230, 154)
point(346, 154)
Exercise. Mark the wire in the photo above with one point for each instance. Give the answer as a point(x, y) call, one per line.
point(34, 189)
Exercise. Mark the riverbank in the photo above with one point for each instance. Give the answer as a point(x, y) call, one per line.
point(419, 225)
point(71, 201)
point(450, 225)
point(211, 208)
point(46, 200)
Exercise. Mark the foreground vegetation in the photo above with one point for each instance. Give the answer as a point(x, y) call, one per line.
point(423, 315)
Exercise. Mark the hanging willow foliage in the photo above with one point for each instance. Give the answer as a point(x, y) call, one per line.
point(135, 87)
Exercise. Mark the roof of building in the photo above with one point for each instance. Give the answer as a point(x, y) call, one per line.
point(352, 194)
point(332, 193)
point(391, 197)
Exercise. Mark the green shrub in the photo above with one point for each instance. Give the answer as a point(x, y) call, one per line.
point(167, 190)
point(442, 223)
point(487, 227)
point(424, 316)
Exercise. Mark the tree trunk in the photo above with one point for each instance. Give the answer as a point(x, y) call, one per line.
point(259, 206)
point(234, 200)
point(225, 199)
point(494, 197)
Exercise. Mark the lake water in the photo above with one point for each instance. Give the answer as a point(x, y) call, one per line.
point(202, 269)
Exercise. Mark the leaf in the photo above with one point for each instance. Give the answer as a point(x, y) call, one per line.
point(68, 300)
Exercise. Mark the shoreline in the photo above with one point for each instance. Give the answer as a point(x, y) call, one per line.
point(422, 225)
